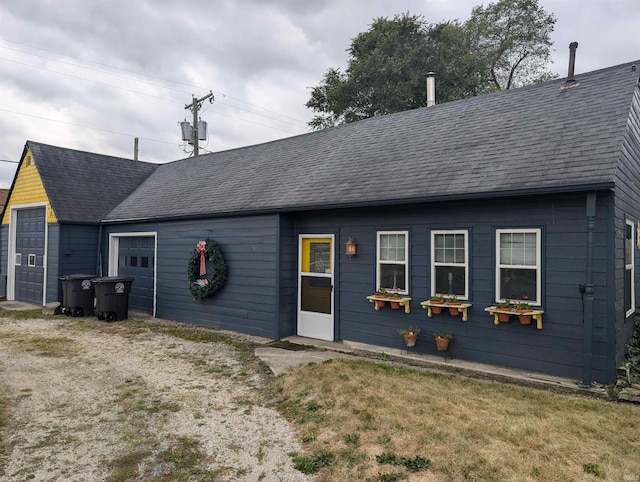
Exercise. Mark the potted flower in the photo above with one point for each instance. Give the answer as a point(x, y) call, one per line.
point(395, 296)
point(504, 305)
point(410, 334)
point(453, 302)
point(382, 294)
point(442, 340)
point(436, 298)
point(522, 308)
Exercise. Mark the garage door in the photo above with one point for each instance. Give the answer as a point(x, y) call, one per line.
point(136, 256)
point(29, 269)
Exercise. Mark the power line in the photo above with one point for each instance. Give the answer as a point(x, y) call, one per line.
point(86, 127)
point(151, 95)
point(145, 75)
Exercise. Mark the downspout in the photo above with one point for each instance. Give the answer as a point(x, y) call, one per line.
point(588, 295)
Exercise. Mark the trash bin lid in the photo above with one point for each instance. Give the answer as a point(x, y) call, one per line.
point(112, 279)
point(77, 276)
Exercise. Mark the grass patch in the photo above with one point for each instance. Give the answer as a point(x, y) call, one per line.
point(453, 427)
point(55, 347)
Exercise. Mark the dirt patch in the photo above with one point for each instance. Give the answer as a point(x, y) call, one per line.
point(95, 401)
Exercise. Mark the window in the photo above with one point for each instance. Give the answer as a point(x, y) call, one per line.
point(449, 263)
point(31, 260)
point(518, 265)
point(629, 272)
point(18, 259)
point(392, 272)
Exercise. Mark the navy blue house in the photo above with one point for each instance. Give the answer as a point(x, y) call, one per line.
point(530, 195)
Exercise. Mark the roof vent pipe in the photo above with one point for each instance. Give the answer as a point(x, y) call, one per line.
point(431, 89)
point(572, 61)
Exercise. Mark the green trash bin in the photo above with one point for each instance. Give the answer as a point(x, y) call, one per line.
point(77, 294)
point(112, 297)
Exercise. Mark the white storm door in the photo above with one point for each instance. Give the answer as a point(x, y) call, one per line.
point(315, 286)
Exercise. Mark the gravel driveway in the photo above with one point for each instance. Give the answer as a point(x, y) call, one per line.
point(95, 401)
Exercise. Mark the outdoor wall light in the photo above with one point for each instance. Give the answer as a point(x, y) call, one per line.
point(350, 248)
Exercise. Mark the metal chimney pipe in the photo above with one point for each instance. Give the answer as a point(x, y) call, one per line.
point(572, 61)
point(431, 89)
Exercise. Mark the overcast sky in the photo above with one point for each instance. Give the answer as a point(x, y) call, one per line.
point(94, 75)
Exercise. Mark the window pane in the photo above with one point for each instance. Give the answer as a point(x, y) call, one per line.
point(392, 276)
point(449, 248)
point(315, 294)
point(457, 284)
point(518, 284)
point(628, 245)
point(134, 261)
point(144, 262)
point(319, 257)
point(518, 249)
point(627, 290)
point(392, 247)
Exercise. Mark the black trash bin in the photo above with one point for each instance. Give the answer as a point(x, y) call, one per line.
point(112, 297)
point(77, 294)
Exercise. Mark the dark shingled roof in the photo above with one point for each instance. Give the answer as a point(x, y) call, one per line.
point(540, 138)
point(83, 186)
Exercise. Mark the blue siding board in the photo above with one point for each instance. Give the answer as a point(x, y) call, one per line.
point(54, 292)
point(562, 220)
point(247, 303)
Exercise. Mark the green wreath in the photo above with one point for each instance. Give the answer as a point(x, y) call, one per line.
point(208, 284)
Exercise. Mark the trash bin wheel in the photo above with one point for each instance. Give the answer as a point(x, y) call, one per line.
point(112, 316)
point(78, 312)
point(100, 315)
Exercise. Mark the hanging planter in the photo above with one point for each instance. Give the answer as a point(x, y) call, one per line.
point(442, 340)
point(410, 335)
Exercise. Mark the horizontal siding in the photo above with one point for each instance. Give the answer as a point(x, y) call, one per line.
point(627, 207)
point(247, 303)
point(556, 349)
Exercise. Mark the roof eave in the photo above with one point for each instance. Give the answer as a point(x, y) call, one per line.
point(535, 191)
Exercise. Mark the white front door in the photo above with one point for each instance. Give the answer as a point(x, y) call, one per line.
point(315, 286)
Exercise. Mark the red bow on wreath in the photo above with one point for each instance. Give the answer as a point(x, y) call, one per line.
point(202, 249)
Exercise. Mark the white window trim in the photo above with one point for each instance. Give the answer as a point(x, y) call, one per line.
point(465, 232)
point(31, 260)
point(630, 267)
point(406, 259)
point(114, 256)
point(538, 268)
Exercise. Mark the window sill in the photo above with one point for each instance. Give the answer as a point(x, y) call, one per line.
point(435, 307)
point(506, 312)
point(379, 302)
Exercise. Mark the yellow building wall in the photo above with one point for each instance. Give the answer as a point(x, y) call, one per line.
point(28, 189)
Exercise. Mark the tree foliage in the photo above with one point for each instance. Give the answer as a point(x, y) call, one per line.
point(515, 35)
point(504, 45)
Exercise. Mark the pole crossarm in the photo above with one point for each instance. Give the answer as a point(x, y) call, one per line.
point(194, 107)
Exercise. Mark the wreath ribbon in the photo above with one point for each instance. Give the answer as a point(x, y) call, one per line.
point(202, 249)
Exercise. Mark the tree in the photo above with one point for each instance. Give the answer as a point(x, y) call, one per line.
point(501, 46)
point(515, 38)
point(386, 73)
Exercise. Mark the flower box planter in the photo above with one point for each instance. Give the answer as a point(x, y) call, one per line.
point(436, 307)
point(379, 302)
point(533, 314)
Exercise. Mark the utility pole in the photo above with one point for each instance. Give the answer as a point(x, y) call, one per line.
point(194, 107)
